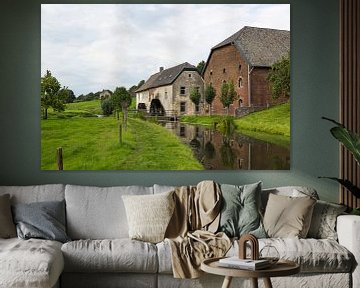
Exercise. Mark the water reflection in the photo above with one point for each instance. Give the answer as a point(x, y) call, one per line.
point(235, 151)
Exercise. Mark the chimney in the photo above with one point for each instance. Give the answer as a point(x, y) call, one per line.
point(161, 69)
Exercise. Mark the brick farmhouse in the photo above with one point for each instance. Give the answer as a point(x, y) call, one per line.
point(245, 58)
point(167, 92)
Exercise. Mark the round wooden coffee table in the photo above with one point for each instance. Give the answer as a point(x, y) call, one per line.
point(281, 268)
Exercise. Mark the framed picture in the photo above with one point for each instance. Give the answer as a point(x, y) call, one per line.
point(165, 87)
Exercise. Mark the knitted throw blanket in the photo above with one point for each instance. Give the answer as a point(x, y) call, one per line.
point(191, 232)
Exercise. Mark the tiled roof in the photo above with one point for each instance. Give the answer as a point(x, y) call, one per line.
point(259, 46)
point(165, 77)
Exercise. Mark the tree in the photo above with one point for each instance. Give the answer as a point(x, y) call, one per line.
point(66, 95)
point(279, 78)
point(195, 97)
point(228, 94)
point(200, 66)
point(210, 94)
point(121, 100)
point(50, 88)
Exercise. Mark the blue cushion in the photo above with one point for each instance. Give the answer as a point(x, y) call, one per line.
point(43, 220)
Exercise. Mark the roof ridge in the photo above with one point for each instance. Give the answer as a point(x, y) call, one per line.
point(165, 77)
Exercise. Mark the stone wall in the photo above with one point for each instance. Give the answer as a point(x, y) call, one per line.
point(187, 79)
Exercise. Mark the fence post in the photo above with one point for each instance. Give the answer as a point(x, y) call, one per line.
point(59, 158)
point(120, 133)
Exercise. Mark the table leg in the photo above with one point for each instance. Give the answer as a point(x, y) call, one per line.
point(254, 282)
point(267, 283)
point(227, 282)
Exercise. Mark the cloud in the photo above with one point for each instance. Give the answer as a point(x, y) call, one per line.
point(94, 46)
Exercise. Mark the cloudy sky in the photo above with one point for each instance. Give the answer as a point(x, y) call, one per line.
point(93, 47)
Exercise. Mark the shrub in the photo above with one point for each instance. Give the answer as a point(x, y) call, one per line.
point(107, 107)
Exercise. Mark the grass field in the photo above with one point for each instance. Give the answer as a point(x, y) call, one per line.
point(93, 144)
point(275, 121)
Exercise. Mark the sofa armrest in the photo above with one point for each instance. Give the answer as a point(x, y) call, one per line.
point(348, 230)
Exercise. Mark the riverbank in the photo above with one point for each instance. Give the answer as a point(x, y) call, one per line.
point(275, 121)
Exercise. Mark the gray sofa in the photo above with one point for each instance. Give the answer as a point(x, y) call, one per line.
point(101, 254)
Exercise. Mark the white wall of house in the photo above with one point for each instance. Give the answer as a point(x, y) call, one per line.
point(143, 97)
point(175, 97)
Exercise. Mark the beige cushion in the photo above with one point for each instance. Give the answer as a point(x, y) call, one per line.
point(7, 226)
point(287, 217)
point(149, 215)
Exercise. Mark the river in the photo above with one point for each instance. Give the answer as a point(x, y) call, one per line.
point(235, 152)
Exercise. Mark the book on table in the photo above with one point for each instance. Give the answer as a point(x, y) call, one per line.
point(249, 264)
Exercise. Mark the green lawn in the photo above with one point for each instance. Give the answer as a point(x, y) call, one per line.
point(93, 106)
point(275, 120)
point(93, 144)
point(77, 109)
point(270, 125)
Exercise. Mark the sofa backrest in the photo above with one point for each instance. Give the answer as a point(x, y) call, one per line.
point(98, 212)
point(35, 193)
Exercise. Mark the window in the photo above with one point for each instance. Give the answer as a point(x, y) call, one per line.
point(239, 67)
point(210, 72)
point(165, 94)
point(189, 75)
point(182, 107)
point(240, 82)
point(182, 90)
point(182, 131)
point(197, 108)
point(224, 70)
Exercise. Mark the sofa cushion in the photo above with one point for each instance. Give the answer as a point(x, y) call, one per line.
point(35, 193)
point(43, 220)
point(323, 222)
point(240, 210)
point(30, 263)
point(291, 191)
point(287, 216)
point(7, 226)
point(98, 213)
point(313, 255)
point(117, 255)
point(149, 215)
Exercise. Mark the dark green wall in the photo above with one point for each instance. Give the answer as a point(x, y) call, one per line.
point(315, 65)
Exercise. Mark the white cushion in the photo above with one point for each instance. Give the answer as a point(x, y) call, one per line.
point(98, 212)
point(149, 215)
point(117, 255)
point(30, 263)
